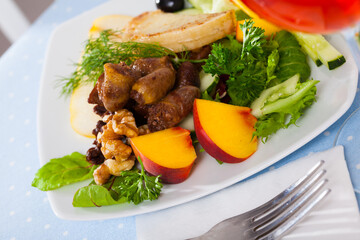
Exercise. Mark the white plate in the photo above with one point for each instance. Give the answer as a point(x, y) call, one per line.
point(336, 92)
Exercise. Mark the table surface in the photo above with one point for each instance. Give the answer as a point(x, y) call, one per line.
point(25, 211)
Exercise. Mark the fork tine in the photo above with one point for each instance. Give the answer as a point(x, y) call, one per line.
point(297, 206)
point(289, 224)
point(280, 197)
point(273, 214)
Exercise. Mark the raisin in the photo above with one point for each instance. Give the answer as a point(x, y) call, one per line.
point(98, 127)
point(99, 110)
point(95, 156)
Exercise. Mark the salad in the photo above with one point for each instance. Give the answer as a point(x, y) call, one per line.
point(263, 76)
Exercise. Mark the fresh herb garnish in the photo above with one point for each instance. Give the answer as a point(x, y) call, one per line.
point(63, 171)
point(131, 186)
point(225, 58)
point(103, 49)
point(245, 63)
point(254, 40)
point(137, 186)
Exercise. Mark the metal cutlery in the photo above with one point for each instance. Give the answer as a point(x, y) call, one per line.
point(277, 216)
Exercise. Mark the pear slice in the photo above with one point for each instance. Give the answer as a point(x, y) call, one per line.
point(82, 117)
point(114, 22)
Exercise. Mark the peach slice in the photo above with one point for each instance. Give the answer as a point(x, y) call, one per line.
point(225, 131)
point(168, 152)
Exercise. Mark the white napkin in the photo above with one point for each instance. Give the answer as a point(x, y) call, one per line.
point(337, 216)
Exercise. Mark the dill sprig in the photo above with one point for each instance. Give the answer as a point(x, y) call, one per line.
point(101, 50)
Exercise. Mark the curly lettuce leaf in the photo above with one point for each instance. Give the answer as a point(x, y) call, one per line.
point(63, 171)
point(286, 111)
point(269, 124)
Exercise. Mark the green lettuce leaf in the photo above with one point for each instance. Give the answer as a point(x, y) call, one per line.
point(272, 63)
point(286, 111)
point(97, 196)
point(269, 124)
point(63, 171)
point(292, 59)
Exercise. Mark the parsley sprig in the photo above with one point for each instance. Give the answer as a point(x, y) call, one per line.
point(254, 40)
point(245, 63)
point(137, 186)
point(131, 186)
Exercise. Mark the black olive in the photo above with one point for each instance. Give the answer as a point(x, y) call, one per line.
point(170, 5)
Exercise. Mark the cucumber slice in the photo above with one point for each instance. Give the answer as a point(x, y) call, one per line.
point(312, 54)
point(325, 52)
point(206, 80)
point(272, 94)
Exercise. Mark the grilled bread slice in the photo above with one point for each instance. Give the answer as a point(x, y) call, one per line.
point(180, 32)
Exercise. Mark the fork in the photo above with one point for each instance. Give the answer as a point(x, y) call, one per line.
point(277, 216)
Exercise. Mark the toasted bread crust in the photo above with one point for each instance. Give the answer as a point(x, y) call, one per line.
point(180, 32)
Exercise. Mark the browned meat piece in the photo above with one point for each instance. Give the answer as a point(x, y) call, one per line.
point(187, 75)
point(154, 86)
point(158, 79)
point(201, 53)
point(114, 88)
point(94, 95)
point(148, 65)
point(173, 108)
point(142, 110)
point(93, 98)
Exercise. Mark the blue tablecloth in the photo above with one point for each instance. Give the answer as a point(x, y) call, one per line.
point(25, 212)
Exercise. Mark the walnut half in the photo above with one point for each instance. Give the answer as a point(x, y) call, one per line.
point(112, 167)
point(118, 155)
